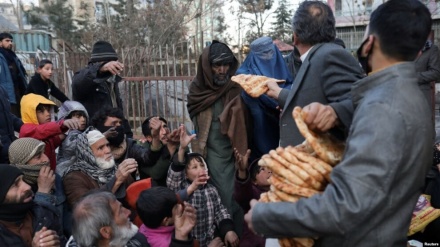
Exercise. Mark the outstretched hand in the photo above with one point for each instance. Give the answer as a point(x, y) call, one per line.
point(185, 218)
point(185, 139)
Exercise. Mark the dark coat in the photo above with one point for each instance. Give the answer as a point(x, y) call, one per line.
point(8, 123)
point(42, 215)
point(44, 88)
point(92, 89)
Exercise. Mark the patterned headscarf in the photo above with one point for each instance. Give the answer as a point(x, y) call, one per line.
point(86, 161)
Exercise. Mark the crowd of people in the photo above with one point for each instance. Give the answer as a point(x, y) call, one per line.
point(65, 181)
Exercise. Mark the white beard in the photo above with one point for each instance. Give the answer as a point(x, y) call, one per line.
point(122, 234)
point(103, 164)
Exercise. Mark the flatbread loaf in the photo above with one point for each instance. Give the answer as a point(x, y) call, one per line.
point(328, 148)
point(254, 85)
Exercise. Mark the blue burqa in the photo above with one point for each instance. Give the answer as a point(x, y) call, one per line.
point(264, 59)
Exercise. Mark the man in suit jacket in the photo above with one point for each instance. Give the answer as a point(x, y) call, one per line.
point(326, 74)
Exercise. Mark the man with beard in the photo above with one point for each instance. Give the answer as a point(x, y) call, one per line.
point(24, 223)
point(12, 73)
point(95, 168)
point(27, 154)
point(218, 114)
point(110, 122)
point(100, 220)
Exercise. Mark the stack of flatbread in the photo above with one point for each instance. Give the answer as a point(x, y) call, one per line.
point(301, 171)
point(254, 85)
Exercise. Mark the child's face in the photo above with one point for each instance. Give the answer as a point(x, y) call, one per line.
point(44, 115)
point(195, 168)
point(82, 119)
point(46, 71)
point(262, 177)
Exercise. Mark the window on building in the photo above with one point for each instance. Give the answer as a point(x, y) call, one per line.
point(338, 7)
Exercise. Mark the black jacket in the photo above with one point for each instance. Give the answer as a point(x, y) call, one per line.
point(43, 215)
point(38, 86)
point(92, 89)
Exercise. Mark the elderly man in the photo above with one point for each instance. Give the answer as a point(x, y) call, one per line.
point(374, 189)
point(218, 114)
point(95, 168)
point(325, 76)
point(13, 76)
point(27, 154)
point(96, 85)
point(109, 121)
point(101, 220)
point(22, 221)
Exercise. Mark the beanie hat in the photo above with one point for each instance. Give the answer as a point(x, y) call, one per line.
point(220, 53)
point(103, 51)
point(94, 136)
point(24, 149)
point(8, 174)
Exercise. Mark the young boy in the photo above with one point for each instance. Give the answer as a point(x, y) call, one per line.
point(250, 182)
point(159, 210)
point(38, 122)
point(189, 173)
point(67, 151)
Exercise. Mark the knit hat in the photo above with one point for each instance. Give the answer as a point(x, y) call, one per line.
point(94, 136)
point(220, 53)
point(24, 149)
point(8, 174)
point(103, 51)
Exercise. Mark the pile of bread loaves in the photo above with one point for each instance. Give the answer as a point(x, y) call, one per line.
point(301, 171)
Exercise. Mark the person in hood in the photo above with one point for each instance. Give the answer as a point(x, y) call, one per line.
point(220, 120)
point(110, 122)
point(264, 59)
point(67, 151)
point(38, 117)
point(188, 176)
point(41, 84)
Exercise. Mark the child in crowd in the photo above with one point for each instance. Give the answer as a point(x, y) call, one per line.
point(41, 84)
point(250, 182)
point(157, 208)
point(67, 151)
point(188, 173)
point(37, 113)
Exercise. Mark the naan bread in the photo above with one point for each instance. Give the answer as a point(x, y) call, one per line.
point(254, 85)
point(326, 146)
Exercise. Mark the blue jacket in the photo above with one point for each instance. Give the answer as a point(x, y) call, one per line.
point(6, 78)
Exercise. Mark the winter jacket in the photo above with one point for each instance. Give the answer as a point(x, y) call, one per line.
point(38, 86)
point(9, 122)
point(93, 89)
point(375, 187)
point(47, 132)
point(77, 184)
point(6, 78)
point(42, 215)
